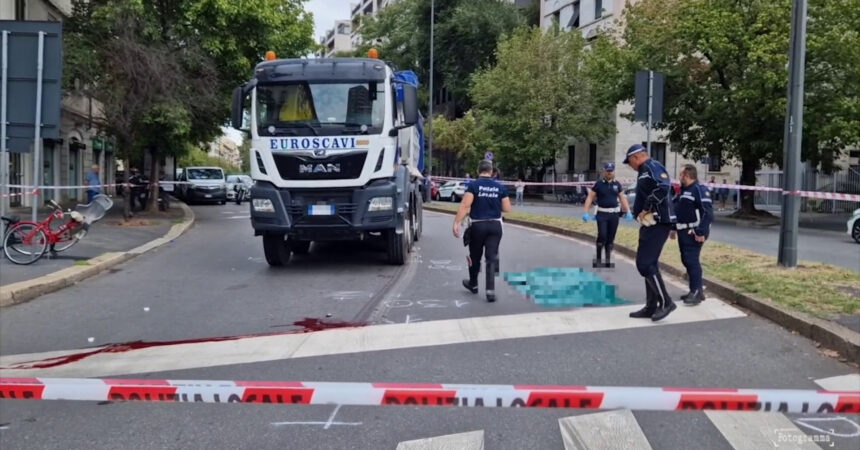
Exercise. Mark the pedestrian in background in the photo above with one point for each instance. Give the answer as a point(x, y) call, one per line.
point(485, 201)
point(608, 193)
point(93, 183)
point(653, 209)
point(521, 188)
point(695, 212)
point(724, 195)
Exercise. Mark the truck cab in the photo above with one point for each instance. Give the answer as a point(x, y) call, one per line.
point(335, 154)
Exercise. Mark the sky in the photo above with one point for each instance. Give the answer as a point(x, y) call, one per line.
point(326, 12)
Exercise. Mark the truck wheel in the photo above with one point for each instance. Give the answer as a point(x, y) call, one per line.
point(276, 250)
point(397, 247)
point(419, 219)
point(300, 247)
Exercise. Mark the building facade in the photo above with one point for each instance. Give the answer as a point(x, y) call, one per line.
point(584, 160)
point(227, 150)
point(336, 40)
point(82, 142)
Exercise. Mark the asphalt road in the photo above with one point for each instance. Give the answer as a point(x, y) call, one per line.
point(813, 245)
point(213, 282)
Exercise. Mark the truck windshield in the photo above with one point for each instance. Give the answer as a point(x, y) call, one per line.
point(319, 108)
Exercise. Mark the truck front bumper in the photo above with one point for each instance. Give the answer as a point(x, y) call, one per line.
point(338, 214)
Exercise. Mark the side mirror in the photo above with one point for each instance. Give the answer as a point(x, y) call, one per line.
point(410, 105)
point(238, 112)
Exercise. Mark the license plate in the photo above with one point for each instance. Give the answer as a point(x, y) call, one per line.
point(208, 195)
point(320, 210)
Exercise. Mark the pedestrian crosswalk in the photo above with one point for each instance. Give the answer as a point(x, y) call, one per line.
point(620, 430)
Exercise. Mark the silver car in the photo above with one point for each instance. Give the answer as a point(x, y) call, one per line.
point(854, 225)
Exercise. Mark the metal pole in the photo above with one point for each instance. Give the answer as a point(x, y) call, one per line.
point(650, 105)
point(37, 137)
point(4, 154)
point(430, 114)
point(793, 134)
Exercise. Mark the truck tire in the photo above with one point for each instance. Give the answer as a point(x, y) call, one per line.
point(276, 250)
point(397, 247)
point(300, 247)
point(419, 219)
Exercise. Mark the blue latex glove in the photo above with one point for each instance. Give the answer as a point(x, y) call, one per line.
point(629, 216)
point(586, 217)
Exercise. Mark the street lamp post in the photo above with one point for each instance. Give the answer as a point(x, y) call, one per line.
point(430, 113)
point(793, 133)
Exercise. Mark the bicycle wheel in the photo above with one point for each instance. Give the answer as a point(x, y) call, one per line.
point(74, 236)
point(25, 243)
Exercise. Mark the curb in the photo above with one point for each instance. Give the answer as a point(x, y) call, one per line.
point(27, 290)
point(829, 334)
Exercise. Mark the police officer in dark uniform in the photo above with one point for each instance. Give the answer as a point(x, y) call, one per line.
point(695, 210)
point(485, 201)
point(654, 210)
point(609, 193)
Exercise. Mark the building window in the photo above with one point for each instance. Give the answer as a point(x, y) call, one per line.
point(658, 151)
point(598, 9)
point(715, 163)
point(556, 19)
point(574, 19)
point(592, 157)
point(571, 158)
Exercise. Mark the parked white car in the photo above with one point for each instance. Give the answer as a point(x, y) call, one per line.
point(452, 190)
point(854, 225)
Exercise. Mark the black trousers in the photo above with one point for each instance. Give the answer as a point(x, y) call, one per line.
point(690, 252)
point(607, 225)
point(484, 241)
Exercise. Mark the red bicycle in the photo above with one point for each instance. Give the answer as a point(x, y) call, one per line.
point(27, 241)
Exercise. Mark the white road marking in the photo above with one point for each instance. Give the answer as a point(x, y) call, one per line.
point(354, 340)
point(748, 430)
point(472, 440)
point(247, 216)
point(850, 382)
point(326, 425)
point(829, 425)
point(606, 430)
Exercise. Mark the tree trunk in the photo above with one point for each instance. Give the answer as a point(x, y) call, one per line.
point(748, 168)
point(126, 191)
point(154, 172)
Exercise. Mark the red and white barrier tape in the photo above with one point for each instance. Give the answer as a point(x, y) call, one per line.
point(466, 395)
point(38, 189)
point(810, 194)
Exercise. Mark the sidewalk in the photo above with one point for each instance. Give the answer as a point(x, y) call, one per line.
point(106, 235)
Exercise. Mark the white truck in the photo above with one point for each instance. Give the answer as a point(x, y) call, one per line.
point(336, 154)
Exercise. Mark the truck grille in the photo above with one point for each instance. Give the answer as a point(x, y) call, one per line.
point(336, 167)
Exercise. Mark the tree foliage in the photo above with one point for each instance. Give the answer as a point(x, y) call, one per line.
point(726, 79)
point(164, 69)
point(458, 141)
point(466, 33)
point(536, 98)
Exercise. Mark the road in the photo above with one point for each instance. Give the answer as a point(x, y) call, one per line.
point(813, 245)
point(213, 282)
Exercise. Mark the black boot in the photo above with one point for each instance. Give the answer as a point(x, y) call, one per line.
point(609, 262)
point(472, 283)
point(598, 262)
point(694, 298)
point(491, 281)
point(650, 305)
point(668, 305)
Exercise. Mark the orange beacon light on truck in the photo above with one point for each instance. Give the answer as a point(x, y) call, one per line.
point(270, 55)
point(373, 53)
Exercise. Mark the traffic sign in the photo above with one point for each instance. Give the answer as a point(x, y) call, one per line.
point(489, 156)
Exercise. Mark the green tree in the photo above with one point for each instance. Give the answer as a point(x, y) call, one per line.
point(466, 34)
point(163, 70)
point(459, 143)
point(536, 97)
point(726, 79)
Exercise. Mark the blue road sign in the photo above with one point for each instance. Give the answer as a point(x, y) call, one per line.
point(489, 156)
